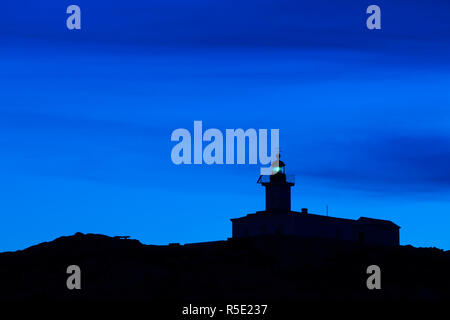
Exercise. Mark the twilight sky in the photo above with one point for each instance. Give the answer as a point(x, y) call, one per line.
point(86, 116)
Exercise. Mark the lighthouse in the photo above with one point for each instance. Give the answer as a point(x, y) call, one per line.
point(278, 188)
point(279, 220)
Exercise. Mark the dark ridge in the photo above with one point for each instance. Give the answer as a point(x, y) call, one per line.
point(265, 268)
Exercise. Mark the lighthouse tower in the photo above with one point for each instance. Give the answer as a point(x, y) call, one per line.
point(278, 188)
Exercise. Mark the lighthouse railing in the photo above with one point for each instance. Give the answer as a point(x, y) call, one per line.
point(290, 178)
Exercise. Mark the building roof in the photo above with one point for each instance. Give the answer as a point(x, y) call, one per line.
point(301, 215)
point(379, 222)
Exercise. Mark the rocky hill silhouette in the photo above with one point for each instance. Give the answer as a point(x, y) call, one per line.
point(267, 268)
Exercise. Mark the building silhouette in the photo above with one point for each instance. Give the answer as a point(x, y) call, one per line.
point(279, 219)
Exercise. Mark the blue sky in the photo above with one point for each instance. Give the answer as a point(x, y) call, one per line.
point(86, 116)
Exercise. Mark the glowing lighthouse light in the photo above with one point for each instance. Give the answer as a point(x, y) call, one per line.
point(278, 166)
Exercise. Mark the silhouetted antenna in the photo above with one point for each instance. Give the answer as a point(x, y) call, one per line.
point(279, 150)
point(327, 210)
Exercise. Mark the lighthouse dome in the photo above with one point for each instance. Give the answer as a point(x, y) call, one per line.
point(277, 165)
